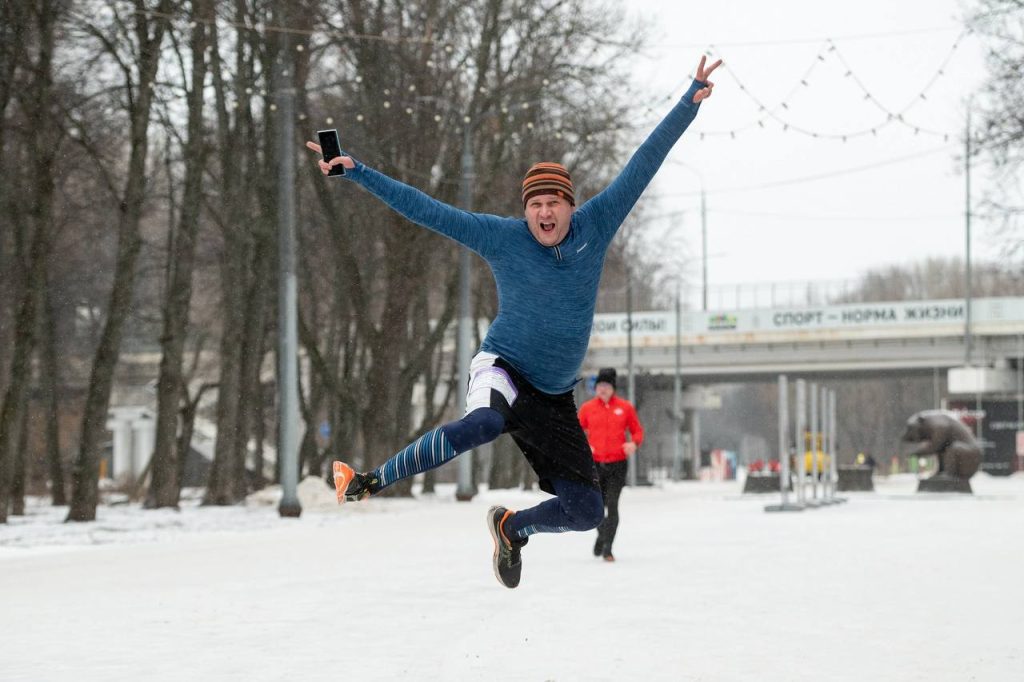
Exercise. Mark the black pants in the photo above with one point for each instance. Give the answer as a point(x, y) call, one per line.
point(612, 477)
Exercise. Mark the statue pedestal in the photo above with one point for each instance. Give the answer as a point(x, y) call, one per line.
point(762, 483)
point(944, 484)
point(855, 478)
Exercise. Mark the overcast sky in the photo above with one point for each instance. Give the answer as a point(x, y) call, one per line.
point(764, 226)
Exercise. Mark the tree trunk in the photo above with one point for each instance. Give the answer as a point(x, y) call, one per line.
point(165, 488)
point(309, 452)
point(51, 394)
point(85, 470)
point(38, 107)
point(251, 401)
point(234, 122)
point(222, 489)
point(188, 422)
point(20, 456)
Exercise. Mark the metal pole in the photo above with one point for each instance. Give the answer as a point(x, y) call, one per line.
point(1020, 394)
point(801, 414)
point(287, 356)
point(677, 397)
point(833, 431)
point(704, 249)
point(784, 477)
point(826, 438)
point(968, 341)
point(784, 438)
point(465, 487)
point(631, 466)
point(813, 397)
point(695, 436)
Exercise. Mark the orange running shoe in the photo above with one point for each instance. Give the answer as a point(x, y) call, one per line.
point(351, 486)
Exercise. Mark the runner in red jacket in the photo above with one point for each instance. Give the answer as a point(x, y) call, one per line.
point(605, 419)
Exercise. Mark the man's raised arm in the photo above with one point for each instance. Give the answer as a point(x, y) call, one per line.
point(472, 230)
point(611, 206)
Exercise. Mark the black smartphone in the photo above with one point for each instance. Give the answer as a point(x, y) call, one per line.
point(330, 147)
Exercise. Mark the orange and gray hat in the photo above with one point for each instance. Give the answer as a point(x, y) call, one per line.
point(548, 177)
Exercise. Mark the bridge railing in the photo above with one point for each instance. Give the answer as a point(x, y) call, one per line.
point(740, 296)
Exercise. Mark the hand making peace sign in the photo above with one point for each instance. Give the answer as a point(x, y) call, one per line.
point(702, 76)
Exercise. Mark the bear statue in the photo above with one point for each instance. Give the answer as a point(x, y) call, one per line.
point(941, 433)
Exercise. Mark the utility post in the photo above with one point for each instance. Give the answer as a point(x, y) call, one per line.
point(631, 386)
point(677, 393)
point(465, 487)
point(287, 355)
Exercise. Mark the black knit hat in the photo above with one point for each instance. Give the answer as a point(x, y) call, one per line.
point(606, 375)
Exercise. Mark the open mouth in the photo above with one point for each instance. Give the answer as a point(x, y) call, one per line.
point(547, 227)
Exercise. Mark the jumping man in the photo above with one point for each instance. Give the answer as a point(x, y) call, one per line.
point(546, 266)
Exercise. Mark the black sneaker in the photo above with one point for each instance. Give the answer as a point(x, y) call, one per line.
point(507, 564)
point(598, 547)
point(350, 485)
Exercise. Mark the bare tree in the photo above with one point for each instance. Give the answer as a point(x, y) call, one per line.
point(36, 102)
point(165, 486)
point(50, 382)
point(1000, 135)
point(137, 51)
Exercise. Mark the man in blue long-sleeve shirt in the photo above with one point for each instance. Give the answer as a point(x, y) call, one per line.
point(547, 268)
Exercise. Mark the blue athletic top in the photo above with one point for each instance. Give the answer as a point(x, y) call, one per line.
point(546, 294)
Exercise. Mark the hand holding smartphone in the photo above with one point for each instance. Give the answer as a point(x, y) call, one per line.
point(330, 147)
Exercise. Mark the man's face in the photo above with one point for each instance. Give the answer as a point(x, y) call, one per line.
point(548, 216)
point(604, 390)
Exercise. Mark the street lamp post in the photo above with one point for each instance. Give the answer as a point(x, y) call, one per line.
point(968, 341)
point(465, 487)
point(677, 392)
point(287, 371)
point(631, 466)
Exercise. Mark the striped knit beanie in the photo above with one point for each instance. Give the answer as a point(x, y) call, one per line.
point(548, 177)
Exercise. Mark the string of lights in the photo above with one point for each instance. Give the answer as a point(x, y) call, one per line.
point(829, 48)
point(780, 114)
point(893, 116)
point(265, 28)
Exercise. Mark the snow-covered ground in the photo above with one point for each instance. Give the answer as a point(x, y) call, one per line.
point(891, 586)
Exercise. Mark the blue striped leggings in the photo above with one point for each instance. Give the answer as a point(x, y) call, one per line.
point(576, 506)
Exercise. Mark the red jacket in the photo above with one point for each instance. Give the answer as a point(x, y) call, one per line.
point(606, 426)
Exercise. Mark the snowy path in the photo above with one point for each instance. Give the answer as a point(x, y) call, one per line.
point(707, 587)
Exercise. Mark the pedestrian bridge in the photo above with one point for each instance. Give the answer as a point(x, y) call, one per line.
point(905, 338)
